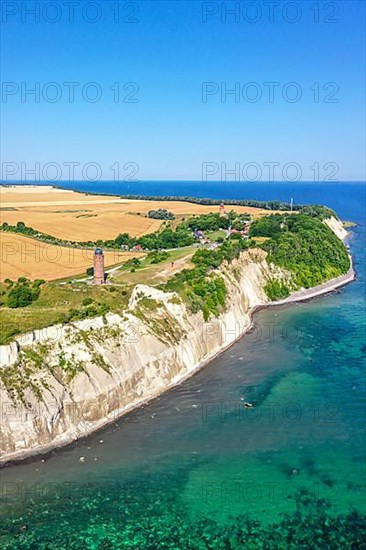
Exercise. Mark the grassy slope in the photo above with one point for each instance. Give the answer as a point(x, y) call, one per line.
point(56, 300)
point(53, 305)
point(148, 273)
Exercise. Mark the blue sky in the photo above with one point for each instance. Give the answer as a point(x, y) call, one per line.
point(168, 53)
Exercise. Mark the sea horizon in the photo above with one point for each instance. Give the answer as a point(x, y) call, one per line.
point(178, 457)
point(301, 192)
point(183, 275)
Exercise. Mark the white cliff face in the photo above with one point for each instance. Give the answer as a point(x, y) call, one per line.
point(337, 227)
point(63, 382)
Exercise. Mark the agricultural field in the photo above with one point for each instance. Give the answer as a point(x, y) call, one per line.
point(26, 257)
point(80, 217)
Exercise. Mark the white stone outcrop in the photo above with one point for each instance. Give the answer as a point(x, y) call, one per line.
point(62, 382)
point(94, 370)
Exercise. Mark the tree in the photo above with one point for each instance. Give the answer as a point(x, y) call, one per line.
point(308, 249)
point(268, 226)
point(20, 296)
point(235, 236)
point(123, 240)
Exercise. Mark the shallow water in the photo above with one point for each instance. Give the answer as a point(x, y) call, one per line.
point(198, 452)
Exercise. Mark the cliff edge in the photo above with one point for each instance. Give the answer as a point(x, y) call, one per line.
point(63, 382)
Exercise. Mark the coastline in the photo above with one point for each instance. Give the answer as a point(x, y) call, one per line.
point(46, 450)
point(319, 290)
point(133, 197)
point(190, 361)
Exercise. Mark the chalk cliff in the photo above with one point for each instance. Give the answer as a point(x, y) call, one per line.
point(337, 227)
point(63, 382)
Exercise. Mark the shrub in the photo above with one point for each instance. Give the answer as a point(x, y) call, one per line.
point(157, 257)
point(208, 222)
point(160, 214)
point(276, 290)
point(317, 211)
point(134, 262)
point(73, 314)
point(20, 296)
point(123, 240)
point(23, 293)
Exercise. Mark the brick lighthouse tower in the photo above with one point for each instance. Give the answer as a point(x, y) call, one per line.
point(98, 264)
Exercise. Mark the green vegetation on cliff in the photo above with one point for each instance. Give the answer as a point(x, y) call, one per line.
point(276, 290)
point(303, 245)
point(60, 304)
point(299, 243)
point(202, 288)
point(155, 316)
point(21, 293)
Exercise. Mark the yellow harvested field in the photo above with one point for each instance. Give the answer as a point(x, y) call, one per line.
point(25, 257)
point(82, 226)
point(81, 217)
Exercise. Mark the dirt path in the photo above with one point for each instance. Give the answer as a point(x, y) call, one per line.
point(178, 265)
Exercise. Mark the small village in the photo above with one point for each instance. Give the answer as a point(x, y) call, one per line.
point(202, 239)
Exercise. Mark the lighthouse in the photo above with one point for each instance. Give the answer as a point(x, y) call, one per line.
point(222, 210)
point(98, 264)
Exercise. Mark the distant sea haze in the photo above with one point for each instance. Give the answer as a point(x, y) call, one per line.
point(343, 197)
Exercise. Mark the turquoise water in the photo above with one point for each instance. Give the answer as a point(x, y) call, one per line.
point(195, 469)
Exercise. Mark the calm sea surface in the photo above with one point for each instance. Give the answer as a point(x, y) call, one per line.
point(196, 452)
